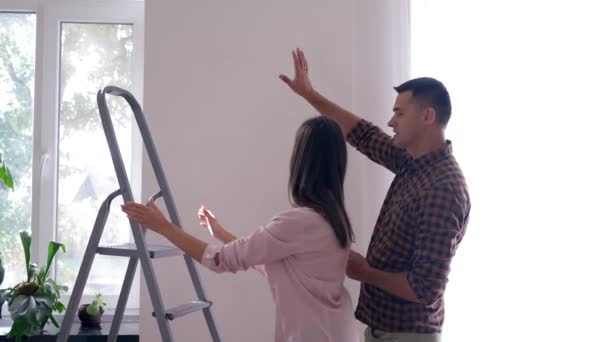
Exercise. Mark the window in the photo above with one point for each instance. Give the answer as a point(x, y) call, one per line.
point(528, 83)
point(91, 55)
point(53, 60)
point(17, 55)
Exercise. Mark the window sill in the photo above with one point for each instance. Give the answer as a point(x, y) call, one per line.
point(129, 330)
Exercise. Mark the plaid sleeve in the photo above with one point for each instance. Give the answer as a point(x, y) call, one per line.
point(376, 145)
point(442, 217)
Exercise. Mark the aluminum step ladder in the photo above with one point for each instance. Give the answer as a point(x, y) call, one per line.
point(138, 251)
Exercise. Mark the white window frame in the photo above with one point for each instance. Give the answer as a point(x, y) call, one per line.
point(49, 16)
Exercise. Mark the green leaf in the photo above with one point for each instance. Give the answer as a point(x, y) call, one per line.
point(58, 288)
point(26, 241)
point(8, 179)
point(47, 291)
point(20, 327)
point(54, 321)
point(39, 275)
point(22, 306)
point(32, 273)
point(43, 314)
point(47, 302)
point(93, 309)
point(53, 248)
point(59, 307)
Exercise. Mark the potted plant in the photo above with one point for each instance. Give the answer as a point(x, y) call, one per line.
point(90, 314)
point(32, 302)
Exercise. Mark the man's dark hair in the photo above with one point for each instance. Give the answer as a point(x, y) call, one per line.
point(429, 92)
point(317, 169)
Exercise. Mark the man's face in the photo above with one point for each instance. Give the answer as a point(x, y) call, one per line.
point(408, 121)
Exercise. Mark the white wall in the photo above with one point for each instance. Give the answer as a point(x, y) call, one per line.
point(224, 125)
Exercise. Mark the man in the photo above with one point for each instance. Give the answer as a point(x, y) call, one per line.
point(423, 217)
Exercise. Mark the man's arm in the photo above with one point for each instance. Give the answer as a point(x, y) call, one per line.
point(394, 283)
point(302, 86)
point(325, 107)
point(366, 138)
point(443, 214)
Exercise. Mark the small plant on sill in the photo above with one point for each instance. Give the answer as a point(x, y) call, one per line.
point(90, 314)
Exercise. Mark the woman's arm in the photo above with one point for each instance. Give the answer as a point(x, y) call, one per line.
point(152, 218)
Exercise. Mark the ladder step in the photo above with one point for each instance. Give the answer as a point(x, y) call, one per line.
point(184, 309)
point(130, 250)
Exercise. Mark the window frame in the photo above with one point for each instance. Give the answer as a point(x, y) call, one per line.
point(49, 17)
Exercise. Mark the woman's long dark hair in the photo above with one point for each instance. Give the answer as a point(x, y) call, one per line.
point(317, 169)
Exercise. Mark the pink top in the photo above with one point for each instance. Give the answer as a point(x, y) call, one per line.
point(305, 267)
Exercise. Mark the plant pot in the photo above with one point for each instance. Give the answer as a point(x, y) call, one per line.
point(89, 321)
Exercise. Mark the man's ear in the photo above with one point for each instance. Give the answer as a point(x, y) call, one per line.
point(429, 115)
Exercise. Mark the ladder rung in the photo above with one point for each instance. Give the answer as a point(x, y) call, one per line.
point(184, 309)
point(130, 250)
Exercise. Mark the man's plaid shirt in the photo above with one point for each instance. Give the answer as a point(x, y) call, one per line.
point(422, 221)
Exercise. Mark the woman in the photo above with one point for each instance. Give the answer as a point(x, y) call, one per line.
point(303, 251)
